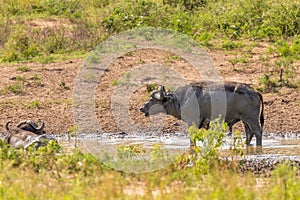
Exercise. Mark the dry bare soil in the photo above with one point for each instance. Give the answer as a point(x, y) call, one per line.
point(44, 91)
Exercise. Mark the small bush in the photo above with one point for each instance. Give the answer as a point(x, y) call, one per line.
point(208, 144)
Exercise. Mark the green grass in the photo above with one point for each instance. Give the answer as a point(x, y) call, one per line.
point(23, 69)
point(50, 31)
point(34, 104)
point(79, 26)
point(16, 87)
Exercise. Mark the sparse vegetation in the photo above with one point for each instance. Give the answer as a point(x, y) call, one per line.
point(23, 69)
point(17, 87)
point(151, 87)
point(33, 104)
point(37, 79)
point(116, 82)
point(268, 85)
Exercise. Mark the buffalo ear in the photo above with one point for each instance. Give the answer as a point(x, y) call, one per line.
point(162, 91)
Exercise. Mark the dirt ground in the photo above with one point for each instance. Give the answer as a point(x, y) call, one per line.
point(44, 91)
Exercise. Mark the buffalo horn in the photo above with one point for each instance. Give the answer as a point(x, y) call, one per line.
point(7, 124)
point(42, 126)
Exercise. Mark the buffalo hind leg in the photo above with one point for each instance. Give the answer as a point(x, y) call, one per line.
point(249, 134)
point(255, 128)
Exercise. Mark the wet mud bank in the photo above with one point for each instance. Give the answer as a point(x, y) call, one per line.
point(265, 164)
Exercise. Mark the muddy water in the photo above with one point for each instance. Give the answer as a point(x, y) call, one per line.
point(106, 147)
point(285, 145)
point(275, 145)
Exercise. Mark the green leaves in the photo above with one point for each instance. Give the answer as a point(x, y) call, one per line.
point(208, 144)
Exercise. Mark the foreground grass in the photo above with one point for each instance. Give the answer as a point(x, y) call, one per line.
point(49, 173)
point(38, 175)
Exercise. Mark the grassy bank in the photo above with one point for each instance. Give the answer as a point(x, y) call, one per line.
point(49, 29)
point(52, 30)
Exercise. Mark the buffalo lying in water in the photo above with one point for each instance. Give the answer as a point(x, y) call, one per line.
point(25, 134)
point(193, 104)
point(31, 126)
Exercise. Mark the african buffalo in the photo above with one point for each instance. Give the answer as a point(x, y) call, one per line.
point(192, 104)
point(31, 126)
point(21, 136)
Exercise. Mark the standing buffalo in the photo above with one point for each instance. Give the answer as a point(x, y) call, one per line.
point(193, 104)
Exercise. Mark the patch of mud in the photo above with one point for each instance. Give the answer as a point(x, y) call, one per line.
point(265, 164)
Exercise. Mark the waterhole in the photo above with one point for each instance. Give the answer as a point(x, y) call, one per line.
point(120, 149)
point(281, 144)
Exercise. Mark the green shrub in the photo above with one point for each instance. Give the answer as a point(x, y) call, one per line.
point(69, 8)
point(208, 144)
point(133, 14)
point(20, 46)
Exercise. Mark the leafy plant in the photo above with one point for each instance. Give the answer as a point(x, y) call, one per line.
point(208, 144)
point(158, 152)
point(237, 145)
